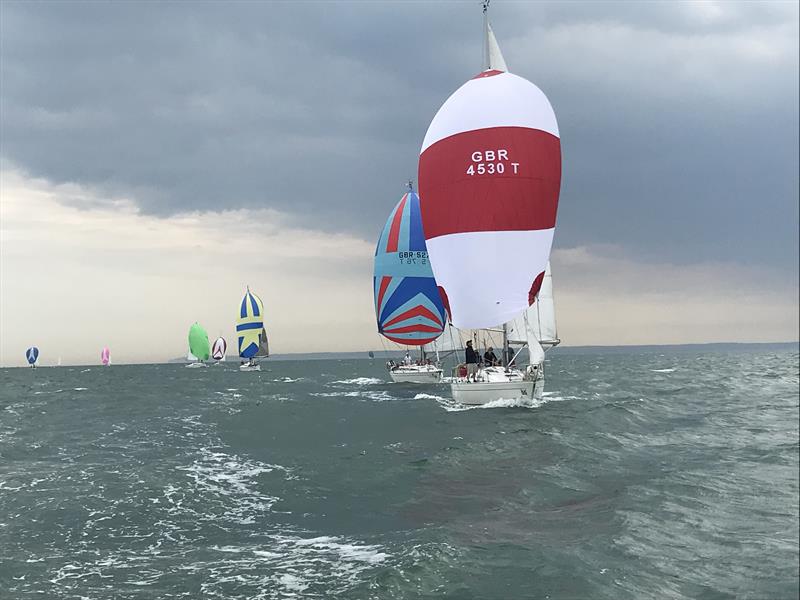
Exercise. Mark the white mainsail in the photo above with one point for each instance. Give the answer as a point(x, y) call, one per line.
point(539, 321)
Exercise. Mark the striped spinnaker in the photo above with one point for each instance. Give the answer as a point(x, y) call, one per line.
point(408, 306)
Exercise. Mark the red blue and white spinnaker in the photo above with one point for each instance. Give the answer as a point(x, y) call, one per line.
point(408, 306)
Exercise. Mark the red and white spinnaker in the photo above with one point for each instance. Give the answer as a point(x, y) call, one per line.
point(489, 180)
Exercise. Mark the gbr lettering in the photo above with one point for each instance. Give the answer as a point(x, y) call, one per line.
point(491, 162)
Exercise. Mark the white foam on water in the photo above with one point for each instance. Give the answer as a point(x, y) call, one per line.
point(288, 380)
point(430, 397)
point(361, 381)
point(662, 370)
point(80, 389)
point(375, 396)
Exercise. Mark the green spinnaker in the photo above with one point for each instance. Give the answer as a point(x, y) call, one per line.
point(199, 345)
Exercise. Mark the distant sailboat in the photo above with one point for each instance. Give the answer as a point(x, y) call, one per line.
point(218, 350)
point(489, 178)
point(199, 348)
point(32, 355)
point(105, 356)
point(251, 333)
point(408, 306)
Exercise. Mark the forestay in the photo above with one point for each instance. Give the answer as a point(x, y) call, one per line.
point(408, 305)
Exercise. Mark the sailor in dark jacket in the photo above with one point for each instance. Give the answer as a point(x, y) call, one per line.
point(489, 358)
point(472, 360)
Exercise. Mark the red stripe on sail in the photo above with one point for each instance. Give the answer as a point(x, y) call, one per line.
point(523, 197)
point(490, 73)
point(417, 311)
point(535, 287)
point(394, 230)
point(381, 292)
point(415, 329)
point(410, 342)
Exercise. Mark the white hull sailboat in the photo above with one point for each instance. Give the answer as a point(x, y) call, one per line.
point(491, 387)
point(426, 374)
point(489, 177)
point(199, 347)
point(251, 334)
point(408, 306)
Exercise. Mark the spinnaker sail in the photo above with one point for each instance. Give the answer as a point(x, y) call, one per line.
point(250, 330)
point(199, 347)
point(32, 355)
point(408, 305)
point(105, 356)
point(489, 180)
point(219, 348)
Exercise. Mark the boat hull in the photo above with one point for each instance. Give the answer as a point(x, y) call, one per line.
point(249, 367)
point(429, 376)
point(483, 392)
point(196, 365)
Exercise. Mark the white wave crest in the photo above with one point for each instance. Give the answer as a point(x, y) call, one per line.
point(430, 397)
point(360, 381)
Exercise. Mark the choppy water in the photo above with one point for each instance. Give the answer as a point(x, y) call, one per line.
point(639, 476)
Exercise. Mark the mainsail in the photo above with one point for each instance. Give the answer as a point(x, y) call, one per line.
point(219, 348)
point(250, 331)
point(408, 306)
point(489, 179)
point(539, 321)
point(199, 348)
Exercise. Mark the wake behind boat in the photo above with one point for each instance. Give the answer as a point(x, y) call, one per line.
point(489, 175)
point(408, 306)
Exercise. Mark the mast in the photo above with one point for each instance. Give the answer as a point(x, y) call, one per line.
point(492, 56)
point(504, 360)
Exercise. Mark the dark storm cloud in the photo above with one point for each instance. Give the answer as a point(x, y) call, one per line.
point(679, 121)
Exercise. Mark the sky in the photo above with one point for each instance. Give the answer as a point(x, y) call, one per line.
point(156, 158)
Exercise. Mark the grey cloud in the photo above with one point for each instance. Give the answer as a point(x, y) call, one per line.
point(679, 130)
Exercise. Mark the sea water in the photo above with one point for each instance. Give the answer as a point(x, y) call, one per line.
point(640, 475)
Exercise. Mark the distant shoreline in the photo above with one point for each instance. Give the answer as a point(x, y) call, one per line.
point(385, 354)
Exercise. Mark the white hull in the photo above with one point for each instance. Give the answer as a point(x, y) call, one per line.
point(478, 392)
point(196, 365)
point(494, 383)
point(416, 374)
point(249, 367)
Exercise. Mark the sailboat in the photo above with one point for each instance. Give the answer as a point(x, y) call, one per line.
point(489, 179)
point(218, 350)
point(251, 333)
point(408, 306)
point(32, 355)
point(105, 356)
point(199, 348)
